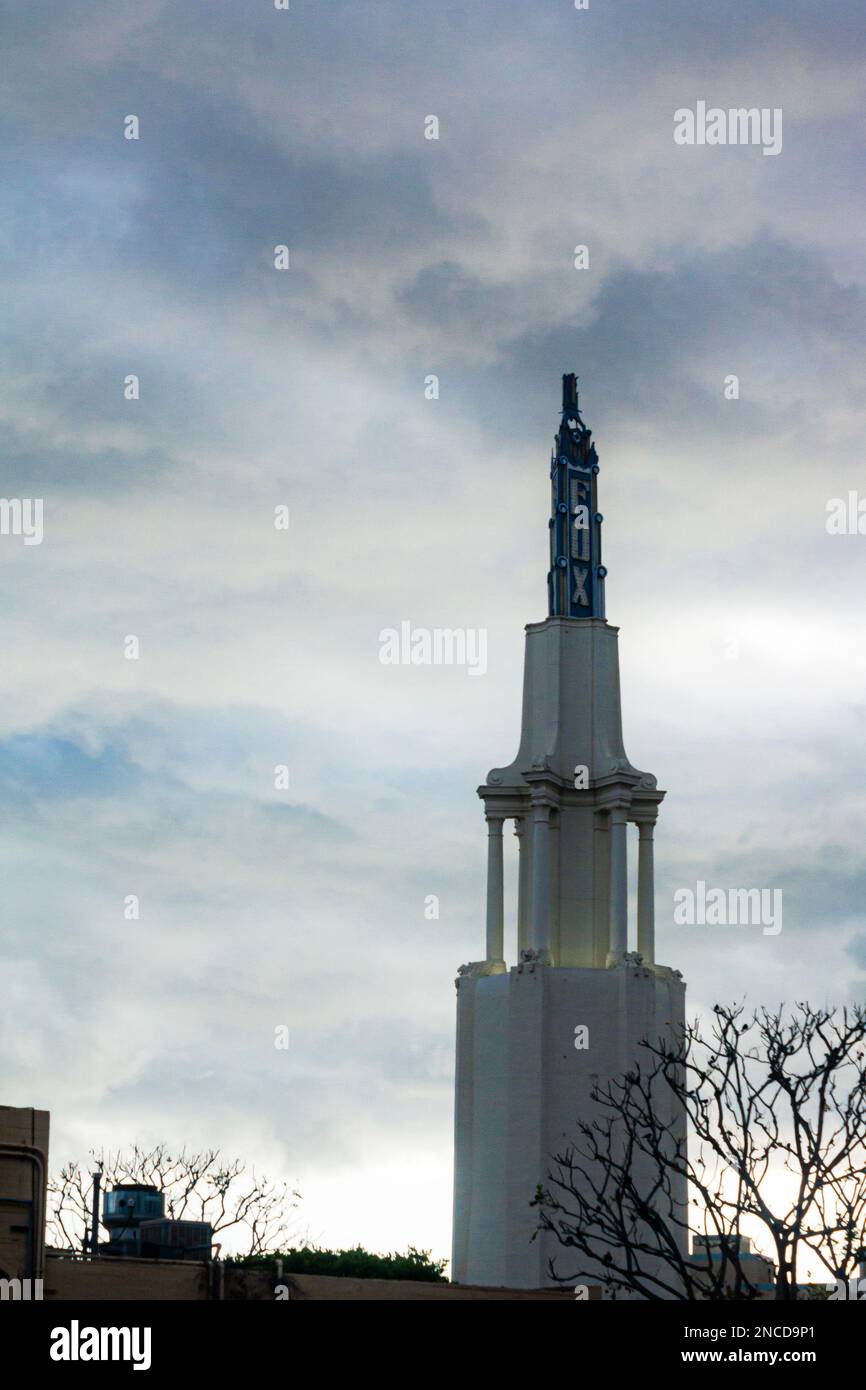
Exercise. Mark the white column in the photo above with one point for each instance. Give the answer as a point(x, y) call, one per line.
point(522, 885)
point(553, 929)
point(601, 889)
point(495, 904)
point(646, 915)
point(541, 879)
point(618, 899)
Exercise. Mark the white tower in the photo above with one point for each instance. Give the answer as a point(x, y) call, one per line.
point(521, 1083)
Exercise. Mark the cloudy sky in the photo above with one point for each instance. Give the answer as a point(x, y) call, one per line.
point(742, 623)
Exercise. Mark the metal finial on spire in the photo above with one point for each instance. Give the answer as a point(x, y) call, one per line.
point(575, 581)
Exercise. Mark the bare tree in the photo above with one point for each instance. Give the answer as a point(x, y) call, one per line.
point(776, 1111)
point(197, 1187)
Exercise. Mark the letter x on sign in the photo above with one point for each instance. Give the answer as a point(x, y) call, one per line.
point(580, 593)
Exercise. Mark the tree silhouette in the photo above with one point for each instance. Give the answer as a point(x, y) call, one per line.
point(197, 1186)
point(776, 1111)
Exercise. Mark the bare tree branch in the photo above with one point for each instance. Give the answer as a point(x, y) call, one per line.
point(775, 1107)
point(197, 1186)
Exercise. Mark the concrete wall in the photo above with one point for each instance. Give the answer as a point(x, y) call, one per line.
point(149, 1280)
point(316, 1286)
point(110, 1278)
point(23, 1169)
point(522, 1086)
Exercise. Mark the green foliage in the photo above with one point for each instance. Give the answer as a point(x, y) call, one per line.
point(353, 1264)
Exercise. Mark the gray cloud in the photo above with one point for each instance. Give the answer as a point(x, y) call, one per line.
point(409, 257)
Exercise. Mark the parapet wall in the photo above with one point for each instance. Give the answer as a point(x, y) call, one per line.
point(70, 1280)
